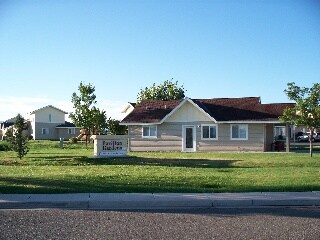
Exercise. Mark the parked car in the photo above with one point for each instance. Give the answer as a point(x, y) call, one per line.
point(298, 134)
point(305, 137)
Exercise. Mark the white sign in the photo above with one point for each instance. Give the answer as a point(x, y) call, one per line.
point(110, 145)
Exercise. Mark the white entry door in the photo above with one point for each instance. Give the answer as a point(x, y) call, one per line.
point(188, 138)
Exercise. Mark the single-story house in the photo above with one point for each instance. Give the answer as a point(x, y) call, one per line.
point(218, 124)
point(46, 123)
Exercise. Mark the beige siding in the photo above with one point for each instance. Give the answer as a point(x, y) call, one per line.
point(43, 115)
point(187, 113)
point(52, 133)
point(255, 140)
point(169, 138)
point(63, 133)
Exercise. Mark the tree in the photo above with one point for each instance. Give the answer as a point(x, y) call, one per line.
point(114, 128)
point(85, 114)
point(17, 139)
point(169, 90)
point(306, 111)
point(99, 121)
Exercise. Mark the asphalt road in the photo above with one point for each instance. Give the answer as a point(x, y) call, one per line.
point(221, 223)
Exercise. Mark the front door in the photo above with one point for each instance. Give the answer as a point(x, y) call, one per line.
point(188, 138)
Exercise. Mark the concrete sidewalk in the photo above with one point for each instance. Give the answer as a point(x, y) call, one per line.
point(114, 201)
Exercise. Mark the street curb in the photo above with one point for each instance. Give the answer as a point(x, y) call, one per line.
point(118, 201)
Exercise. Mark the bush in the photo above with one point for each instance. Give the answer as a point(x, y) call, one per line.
point(5, 146)
point(73, 140)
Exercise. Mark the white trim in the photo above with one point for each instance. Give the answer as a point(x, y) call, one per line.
point(247, 122)
point(217, 122)
point(140, 124)
point(239, 139)
point(209, 125)
point(149, 132)
point(184, 149)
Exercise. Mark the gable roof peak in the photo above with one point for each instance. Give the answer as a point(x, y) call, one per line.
point(48, 106)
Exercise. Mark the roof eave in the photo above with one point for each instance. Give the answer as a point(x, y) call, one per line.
point(251, 121)
point(139, 124)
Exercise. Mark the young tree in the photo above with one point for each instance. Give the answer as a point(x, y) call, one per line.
point(99, 121)
point(85, 114)
point(17, 139)
point(169, 90)
point(307, 108)
point(114, 128)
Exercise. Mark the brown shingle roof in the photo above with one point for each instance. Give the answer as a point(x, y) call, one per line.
point(151, 111)
point(240, 109)
point(221, 109)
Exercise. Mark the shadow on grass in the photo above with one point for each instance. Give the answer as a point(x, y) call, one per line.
point(141, 161)
point(94, 184)
point(115, 184)
point(70, 160)
point(172, 162)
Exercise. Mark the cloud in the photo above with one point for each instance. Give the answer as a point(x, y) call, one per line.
point(113, 108)
point(11, 106)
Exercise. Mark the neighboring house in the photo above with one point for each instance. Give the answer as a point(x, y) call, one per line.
point(219, 124)
point(5, 125)
point(49, 123)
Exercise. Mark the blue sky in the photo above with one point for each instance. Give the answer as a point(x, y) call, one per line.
point(214, 48)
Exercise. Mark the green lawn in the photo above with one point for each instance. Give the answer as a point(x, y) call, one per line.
point(49, 169)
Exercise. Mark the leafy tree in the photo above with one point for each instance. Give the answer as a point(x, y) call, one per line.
point(169, 90)
point(85, 114)
point(306, 111)
point(99, 121)
point(17, 139)
point(114, 128)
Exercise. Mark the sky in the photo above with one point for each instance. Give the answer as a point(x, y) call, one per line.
point(213, 48)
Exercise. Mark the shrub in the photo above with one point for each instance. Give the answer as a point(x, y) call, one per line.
point(73, 140)
point(5, 146)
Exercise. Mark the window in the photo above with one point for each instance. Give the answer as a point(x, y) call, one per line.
point(71, 131)
point(49, 117)
point(279, 131)
point(45, 131)
point(209, 132)
point(239, 132)
point(149, 132)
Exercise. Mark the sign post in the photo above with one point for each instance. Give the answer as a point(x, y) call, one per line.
point(110, 145)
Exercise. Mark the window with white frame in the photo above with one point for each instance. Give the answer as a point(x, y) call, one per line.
point(149, 131)
point(209, 132)
point(45, 131)
point(71, 131)
point(239, 131)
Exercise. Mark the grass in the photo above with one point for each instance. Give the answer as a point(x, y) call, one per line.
point(49, 169)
